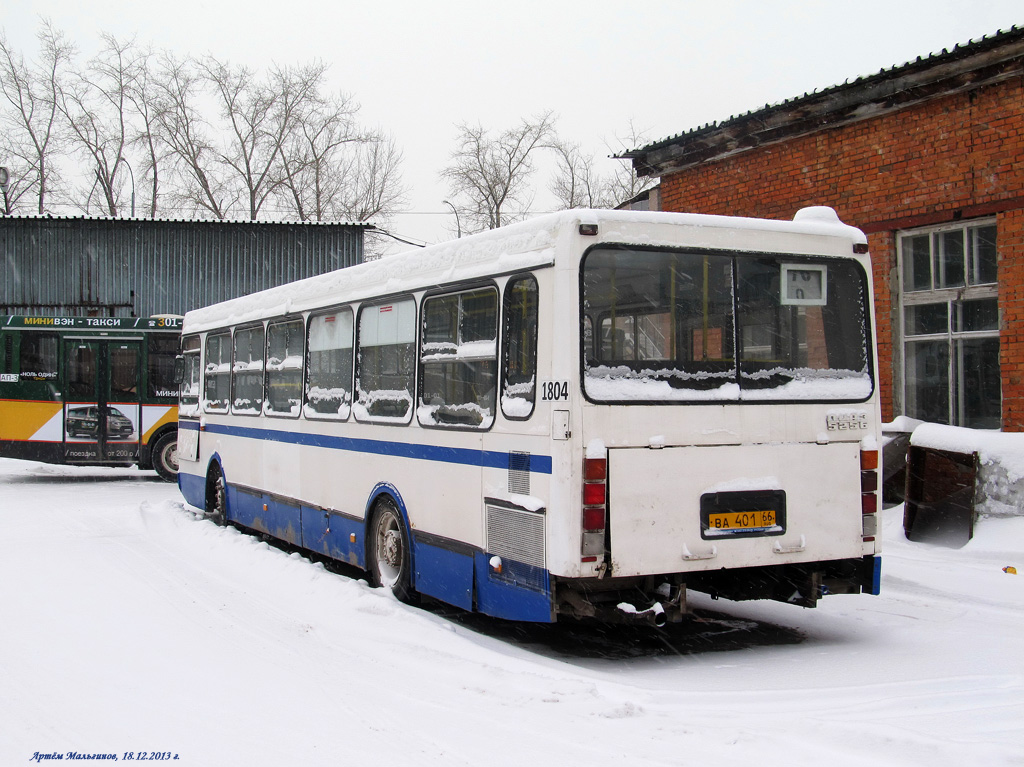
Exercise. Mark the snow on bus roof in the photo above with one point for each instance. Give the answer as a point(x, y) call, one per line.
point(525, 245)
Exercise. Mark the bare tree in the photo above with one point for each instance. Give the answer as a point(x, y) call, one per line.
point(178, 88)
point(308, 184)
point(21, 171)
point(625, 184)
point(97, 108)
point(260, 116)
point(31, 122)
point(576, 184)
point(142, 93)
point(333, 170)
point(370, 182)
point(488, 175)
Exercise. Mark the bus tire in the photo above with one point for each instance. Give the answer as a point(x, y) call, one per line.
point(390, 555)
point(216, 496)
point(165, 456)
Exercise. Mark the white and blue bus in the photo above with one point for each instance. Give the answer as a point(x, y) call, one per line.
point(583, 415)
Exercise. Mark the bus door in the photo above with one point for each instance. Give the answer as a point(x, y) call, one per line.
point(101, 400)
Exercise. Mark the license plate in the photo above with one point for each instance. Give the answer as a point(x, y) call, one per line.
point(744, 513)
point(742, 520)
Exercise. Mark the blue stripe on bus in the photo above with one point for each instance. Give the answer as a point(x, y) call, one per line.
point(488, 459)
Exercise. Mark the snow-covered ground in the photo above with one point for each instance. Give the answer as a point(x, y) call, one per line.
point(129, 624)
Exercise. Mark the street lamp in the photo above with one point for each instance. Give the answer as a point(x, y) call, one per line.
point(5, 178)
point(458, 224)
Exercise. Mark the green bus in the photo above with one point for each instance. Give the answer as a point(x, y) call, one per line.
point(94, 391)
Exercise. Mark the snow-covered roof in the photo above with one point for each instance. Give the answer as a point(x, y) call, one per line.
point(526, 245)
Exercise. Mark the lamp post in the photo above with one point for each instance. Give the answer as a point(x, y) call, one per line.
point(458, 224)
point(5, 178)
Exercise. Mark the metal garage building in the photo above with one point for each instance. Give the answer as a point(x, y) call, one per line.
point(109, 267)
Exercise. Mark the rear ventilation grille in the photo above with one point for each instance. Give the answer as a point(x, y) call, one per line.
point(519, 473)
point(515, 534)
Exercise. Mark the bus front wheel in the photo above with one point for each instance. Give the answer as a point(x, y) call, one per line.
point(165, 456)
point(390, 554)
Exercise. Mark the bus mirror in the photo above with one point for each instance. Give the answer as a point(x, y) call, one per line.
point(179, 369)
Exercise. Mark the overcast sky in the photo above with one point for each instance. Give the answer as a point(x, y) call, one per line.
point(419, 67)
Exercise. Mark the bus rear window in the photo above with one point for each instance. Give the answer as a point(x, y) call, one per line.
point(665, 325)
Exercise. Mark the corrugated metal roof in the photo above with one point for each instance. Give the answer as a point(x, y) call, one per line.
point(960, 51)
point(138, 267)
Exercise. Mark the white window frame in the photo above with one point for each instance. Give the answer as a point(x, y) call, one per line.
point(951, 297)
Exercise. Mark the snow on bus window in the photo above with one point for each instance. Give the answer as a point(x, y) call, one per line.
point(664, 326)
point(386, 359)
point(458, 358)
point(284, 368)
point(329, 365)
point(519, 374)
point(247, 372)
point(188, 403)
point(217, 373)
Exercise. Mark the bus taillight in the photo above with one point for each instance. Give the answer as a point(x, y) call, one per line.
point(869, 492)
point(595, 495)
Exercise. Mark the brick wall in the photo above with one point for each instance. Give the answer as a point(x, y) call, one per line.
point(952, 158)
point(1010, 227)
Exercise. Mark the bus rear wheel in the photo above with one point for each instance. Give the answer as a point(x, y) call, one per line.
point(216, 496)
point(390, 554)
point(165, 456)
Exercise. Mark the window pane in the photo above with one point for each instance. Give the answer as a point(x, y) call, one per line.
point(161, 351)
point(81, 374)
point(37, 356)
point(459, 359)
point(247, 372)
point(924, 319)
point(664, 324)
point(917, 271)
point(124, 373)
point(980, 392)
point(949, 259)
point(520, 375)
point(441, 325)
point(982, 314)
point(384, 382)
point(479, 316)
point(217, 377)
point(982, 256)
point(188, 392)
point(928, 381)
point(284, 368)
point(617, 335)
point(329, 359)
point(795, 351)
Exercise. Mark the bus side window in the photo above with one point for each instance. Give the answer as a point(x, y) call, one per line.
point(458, 359)
point(189, 402)
point(160, 352)
point(284, 367)
point(217, 376)
point(386, 360)
point(329, 366)
point(519, 373)
point(247, 372)
point(37, 358)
